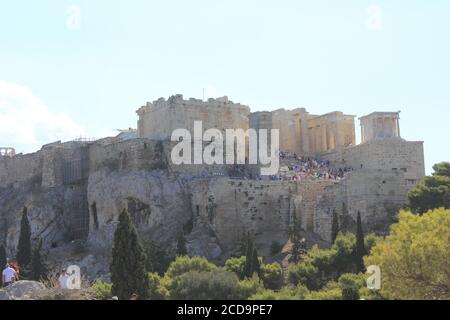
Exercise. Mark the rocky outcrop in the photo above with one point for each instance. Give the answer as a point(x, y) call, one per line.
point(157, 203)
point(21, 290)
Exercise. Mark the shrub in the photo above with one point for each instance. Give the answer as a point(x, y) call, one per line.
point(299, 292)
point(272, 276)
point(216, 284)
point(350, 283)
point(184, 264)
point(102, 290)
point(236, 265)
point(249, 287)
point(156, 291)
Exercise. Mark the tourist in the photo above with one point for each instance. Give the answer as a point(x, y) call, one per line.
point(63, 279)
point(9, 275)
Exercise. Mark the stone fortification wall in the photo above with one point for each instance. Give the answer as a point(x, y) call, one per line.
point(159, 119)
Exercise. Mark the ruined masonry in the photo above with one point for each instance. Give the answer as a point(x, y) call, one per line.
point(74, 191)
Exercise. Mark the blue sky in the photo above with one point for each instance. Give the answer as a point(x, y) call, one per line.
point(60, 79)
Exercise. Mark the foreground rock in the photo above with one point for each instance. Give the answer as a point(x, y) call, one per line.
point(21, 290)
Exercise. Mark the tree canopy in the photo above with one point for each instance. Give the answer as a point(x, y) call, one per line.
point(415, 257)
point(433, 192)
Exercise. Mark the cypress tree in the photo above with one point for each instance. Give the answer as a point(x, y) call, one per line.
point(3, 258)
point(181, 245)
point(298, 244)
point(24, 245)
point(334, 227)
point(242, 244)
point(360, 251)
point(256, 268)
point(248, 268)
point(37, 268)
point(128, 273)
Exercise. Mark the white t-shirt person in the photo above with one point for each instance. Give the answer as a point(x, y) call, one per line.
point(9, 274)
point(63, 280)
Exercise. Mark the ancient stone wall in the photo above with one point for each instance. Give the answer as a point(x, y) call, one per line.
point(159, 119)
point(377, 195)
point(20, 168)
point(263, 208)
point(384, 155)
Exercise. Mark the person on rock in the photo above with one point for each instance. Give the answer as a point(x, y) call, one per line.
point(9, 275)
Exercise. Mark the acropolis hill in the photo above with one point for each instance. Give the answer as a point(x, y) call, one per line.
point(76, 190)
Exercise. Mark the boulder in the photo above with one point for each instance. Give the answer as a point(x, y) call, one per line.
point(20, 290)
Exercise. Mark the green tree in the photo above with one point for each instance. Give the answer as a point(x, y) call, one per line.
point(256, 265)
point(156, 291)
point(433, 192)
point(248, 269)
point(236, 265)
point(102, 290)
point(38, 269)
point(272, 275)
point(216, 284)
point(298, 243)
point(360, 251)
point(181, 245)
point(24, 245)
point(157, 258)
point(128, 273)
point(442, 169)
point(3, 258)
point(334, 226)
point(350, 283)
point(184, 264)
point(414, 257)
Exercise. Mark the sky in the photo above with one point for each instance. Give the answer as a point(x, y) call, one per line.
point(81, 68)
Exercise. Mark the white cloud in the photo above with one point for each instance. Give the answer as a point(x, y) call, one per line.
point(26, 123)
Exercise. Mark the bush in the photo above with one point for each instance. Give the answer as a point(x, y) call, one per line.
point(321, 266)
point(331, 291)
point(216, 284)
point(350, 283)
point(184, 264)
point(371, 240)
point(156, 290)
point(236, 265)
point(102, 290)
point(288, 293)
point(305, 273)
point(272, 276)
point(249, 287)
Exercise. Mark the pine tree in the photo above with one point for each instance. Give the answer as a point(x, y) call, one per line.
point(298, 243)
point(3, 258)
point(334, 227)
point(360, 251)
point(37, 268)
point(248, 268)
point(181, 245)
point(128, 273)
point(24, 245)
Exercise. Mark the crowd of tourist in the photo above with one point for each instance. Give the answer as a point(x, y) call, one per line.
point(297, 168)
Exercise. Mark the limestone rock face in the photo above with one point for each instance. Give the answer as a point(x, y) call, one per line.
point(156, 201)
point(21, 290)
point(50, 214)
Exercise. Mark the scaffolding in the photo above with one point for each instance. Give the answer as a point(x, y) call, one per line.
point(76, 166)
